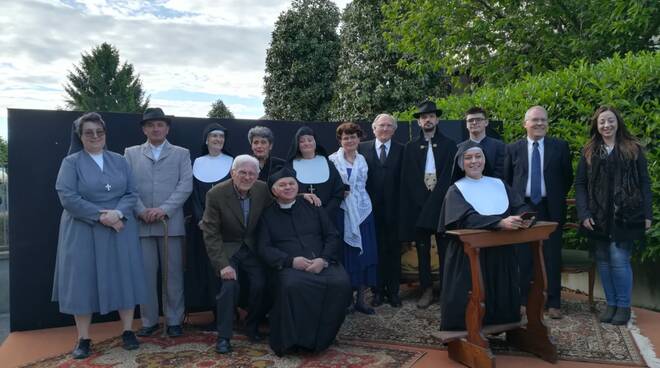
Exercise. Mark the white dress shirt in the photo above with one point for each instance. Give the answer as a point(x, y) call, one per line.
point(387, 147)
point(156, 150)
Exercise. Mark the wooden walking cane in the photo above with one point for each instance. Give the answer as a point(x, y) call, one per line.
point(163, 269)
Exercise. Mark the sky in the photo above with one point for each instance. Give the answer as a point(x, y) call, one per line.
point(188, 53)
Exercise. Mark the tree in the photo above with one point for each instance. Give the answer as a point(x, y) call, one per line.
point(301, 62)
point(369, 81)
point(220, 110)
point(3, 152)
point(99, 83)
point(496, 42)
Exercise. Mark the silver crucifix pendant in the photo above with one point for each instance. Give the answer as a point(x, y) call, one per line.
point(108, 187)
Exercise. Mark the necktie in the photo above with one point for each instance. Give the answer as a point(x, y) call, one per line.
point(535, 185)
point(383, 154)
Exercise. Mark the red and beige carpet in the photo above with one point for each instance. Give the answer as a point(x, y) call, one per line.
point(579, 335)
point(381, 340)
point(196, 349)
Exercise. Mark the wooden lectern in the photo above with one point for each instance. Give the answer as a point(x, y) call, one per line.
point(471, 347)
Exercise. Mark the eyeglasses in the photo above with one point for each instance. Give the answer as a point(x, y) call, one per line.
point(94, 133)
point(248, 174)
point(475, 120)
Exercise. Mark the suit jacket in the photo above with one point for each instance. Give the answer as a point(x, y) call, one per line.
point(383, 181)
point(495, 151)
point(419, 208)
point(165, 183)
point(557, 173)
point(223, 224)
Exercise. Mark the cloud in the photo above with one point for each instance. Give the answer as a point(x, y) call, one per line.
point(216, 48)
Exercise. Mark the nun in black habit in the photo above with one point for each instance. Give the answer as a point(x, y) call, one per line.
point(476, 201)
point(299, 242)
point(315, 174)
point(209, 169)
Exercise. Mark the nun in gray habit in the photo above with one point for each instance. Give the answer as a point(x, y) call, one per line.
point(99, 262)
point(476, 201)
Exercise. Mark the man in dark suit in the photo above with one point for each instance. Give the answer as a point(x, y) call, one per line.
point(539, 168)
point(230, 220)
point(384, 157)
point(476, 121)
point(425, 177)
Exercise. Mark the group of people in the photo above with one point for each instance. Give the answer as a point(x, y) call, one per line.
point(307, 236)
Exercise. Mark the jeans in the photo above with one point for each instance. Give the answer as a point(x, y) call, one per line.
point(613, 261)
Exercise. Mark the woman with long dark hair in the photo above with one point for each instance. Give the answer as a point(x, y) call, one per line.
point(613, 200)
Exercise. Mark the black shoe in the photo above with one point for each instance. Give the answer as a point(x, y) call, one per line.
point(377, 300)
point(607, 316)
point(395, 301)
point(129, 341)
point(223, 346)
point(363, 309)
point(255, 337)
point(82, 350)
point(621, 317)
point(174, 331)
point(147, 331)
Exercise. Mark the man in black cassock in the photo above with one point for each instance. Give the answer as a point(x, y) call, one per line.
point(476, 201)
point(312, 290)
point(425, 176)
point(383, 156)
point(476, 122)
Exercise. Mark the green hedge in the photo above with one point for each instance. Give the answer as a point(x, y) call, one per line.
point(630, 83)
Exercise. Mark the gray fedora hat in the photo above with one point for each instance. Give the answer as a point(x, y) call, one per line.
point(155, 113)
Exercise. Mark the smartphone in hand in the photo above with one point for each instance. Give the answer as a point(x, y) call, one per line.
point(527, 215)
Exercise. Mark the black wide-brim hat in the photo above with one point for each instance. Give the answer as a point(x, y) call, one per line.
point(427, 107)
point(155, 113)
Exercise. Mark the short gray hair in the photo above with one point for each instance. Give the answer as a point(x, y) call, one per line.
point(384, 116)
point(242, 160)
point(261, 132)
point(536, 107)
point(90, 117)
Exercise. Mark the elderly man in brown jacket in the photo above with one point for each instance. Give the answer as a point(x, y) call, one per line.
point(163, 177)
point(230, 219)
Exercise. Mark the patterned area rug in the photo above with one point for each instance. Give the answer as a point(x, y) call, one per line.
point(579, 335)
point(196, 349)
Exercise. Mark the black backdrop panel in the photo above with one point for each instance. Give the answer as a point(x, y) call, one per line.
point(39, 140)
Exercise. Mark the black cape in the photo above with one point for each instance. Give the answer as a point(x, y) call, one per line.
point(419, 208)
point(498, 265)
point(308, 308)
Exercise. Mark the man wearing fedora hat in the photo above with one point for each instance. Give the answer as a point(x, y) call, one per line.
point(163, 177)
point(425, 178)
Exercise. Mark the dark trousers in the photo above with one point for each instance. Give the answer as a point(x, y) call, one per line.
point(389, 256)
point(551, 256)
point(247, 265)
point(423, 245)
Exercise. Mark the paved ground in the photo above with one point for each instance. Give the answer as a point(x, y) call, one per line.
point(4, 327)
